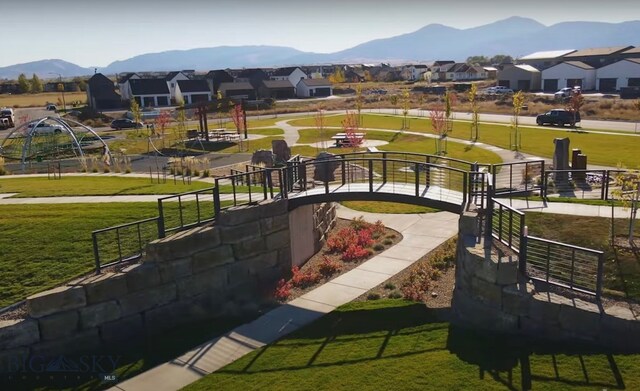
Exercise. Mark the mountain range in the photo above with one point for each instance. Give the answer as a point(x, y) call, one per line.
point(515, 36)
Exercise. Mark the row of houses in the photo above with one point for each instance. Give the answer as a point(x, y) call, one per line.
point(155, 90)
point(597, 69)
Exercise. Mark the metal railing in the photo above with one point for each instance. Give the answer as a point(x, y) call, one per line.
point(256, 186)
point(517, 177)
point(572, 267)
point(591, 184)
point(129, 239)
point(508, 227)
point(186, 210)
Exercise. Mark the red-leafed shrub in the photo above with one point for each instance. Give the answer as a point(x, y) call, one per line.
point(302, 280)
point(354, 252)
point(328, 266)
point(365, 237)
point(341, 240)
point(419, 282)
point(378, 229)
point(283, 290)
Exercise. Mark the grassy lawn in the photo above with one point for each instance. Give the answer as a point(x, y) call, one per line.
point(387, 207)
point(267, 132)
point(400, 345)
point(45, 245)
point(621, 267)
point(31, 100)
point(603, 149)
point(402, 142)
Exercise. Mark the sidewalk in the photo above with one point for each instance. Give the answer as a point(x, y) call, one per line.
point(564, 208)
point(421, 234)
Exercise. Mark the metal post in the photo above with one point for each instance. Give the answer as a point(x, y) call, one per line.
point(233, 189)
point(371, 176)
point(384, 167)
point(161, 232)
point(264, 183)
point(216, 200)
point(417, 175)
point(599, 276)
point(465, 185)
point(198, 207)
point(343, 168)
point(522, 257)
point(96, 253)
point(180, 210)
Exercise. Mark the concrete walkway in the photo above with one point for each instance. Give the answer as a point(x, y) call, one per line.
point(421, 234)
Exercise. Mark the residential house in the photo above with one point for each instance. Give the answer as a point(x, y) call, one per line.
point(238, 91)
point(101, 93)
point(520, 77)
point(150, 92)
point(491, 72)
point(192, 91)
point(613, 77)
point(631, 53)
point(9, 88)
point(123, 84)
point(545, 59)
point(254, 76)
point(354, 75)
point(277, 89)
point(569, 74)
point(598, 57)
point(440, 70)
point(215, 78)
point(292, 74)
point(413, 72)
point(314, 87)
point(172, 79)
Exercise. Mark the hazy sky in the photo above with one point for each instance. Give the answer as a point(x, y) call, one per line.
point(96, 33)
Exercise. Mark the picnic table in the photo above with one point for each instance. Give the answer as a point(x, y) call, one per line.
point(342, 138)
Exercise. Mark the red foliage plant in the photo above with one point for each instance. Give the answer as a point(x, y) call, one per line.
point(342, 239)
point(365, 237)
point(283, 290)
point(302, 280)
point(354, 252)
point(351, 129)
point(328, 266)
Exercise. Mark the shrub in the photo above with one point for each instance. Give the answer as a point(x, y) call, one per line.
point(342, 239)
point(328, 266)
point(365, 237)
point(378, 247)
point(354, 252)
point(358, 223)
point(391, 236)
point(303, 280)
point(283, 290)
point(419, 282)
point(387, 242)
point(395, 295)
point(378, 228)
point(389, 286)
point(373, 296)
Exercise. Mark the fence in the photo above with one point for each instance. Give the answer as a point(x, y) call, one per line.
point(576, 268)
point(185, 210)
point(519, 177)
point(129, 239)
point(508, 227)
point(592, 184)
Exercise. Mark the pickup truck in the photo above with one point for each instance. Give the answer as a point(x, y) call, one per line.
point(7, 113)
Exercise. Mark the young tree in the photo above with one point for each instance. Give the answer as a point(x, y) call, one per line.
point(394, 102)
point(337, 76)
point(181, 119)
point(439, 125)
point(238, 118)
point(406, 105)
point(628, 191)
point(161, 123)
point(351, 128)
point(518, 104)
point(359, 103)
point(367, 76)
point(449, 101)
point(23, 84)
point(501, 59)
point(475, 112)
point(574, 105)
point(135, 111)
point(36, 84)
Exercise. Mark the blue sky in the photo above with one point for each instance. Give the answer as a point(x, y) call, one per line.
point(96, 33)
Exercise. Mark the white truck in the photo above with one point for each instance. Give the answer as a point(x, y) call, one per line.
point(7, 118)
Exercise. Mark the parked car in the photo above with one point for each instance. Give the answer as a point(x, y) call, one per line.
point(125, 123)
point(51, 107)
point(45, 128)
point(566, 92)
point(498, 90)
point(558, 117)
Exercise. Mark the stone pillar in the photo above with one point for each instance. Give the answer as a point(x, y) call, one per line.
point(561, 158)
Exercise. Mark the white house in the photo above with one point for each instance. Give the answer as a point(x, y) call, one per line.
point(569, 74)
point(172, 79)
point(123, 85)
point(292, 74)
point(192, 91)
point(314, 87)
point(612, 77)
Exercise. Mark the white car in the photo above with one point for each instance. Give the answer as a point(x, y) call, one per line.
point(498, 90)
point(566, 92)
point(45, 128)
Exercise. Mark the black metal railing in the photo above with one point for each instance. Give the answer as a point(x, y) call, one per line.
point(517, 177)
point(248, 187)
point(122, 243)
point(186, 210)
point(591, 184)
point(572, 267)
point(508, 227)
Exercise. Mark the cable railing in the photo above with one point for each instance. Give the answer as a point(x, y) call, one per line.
point(123, 243)
point(186, 210)
point(589, 184)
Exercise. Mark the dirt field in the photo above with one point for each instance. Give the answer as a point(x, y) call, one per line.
point(37, 100)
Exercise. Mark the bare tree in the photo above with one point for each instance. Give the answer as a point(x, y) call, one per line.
point(351, 128)
point(475, 113)
point(320, 124)
point(518, 104)
point(238, 118)
point(161, 123)
point(440, 128)
point(136, 112)
point(574, 105)
point(406, 105)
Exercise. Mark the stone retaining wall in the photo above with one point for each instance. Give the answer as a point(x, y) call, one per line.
point(226, 269)
point(491, 294)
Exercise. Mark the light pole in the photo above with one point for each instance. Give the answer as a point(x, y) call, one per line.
point(64, 104)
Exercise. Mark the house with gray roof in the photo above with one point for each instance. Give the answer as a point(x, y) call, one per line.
point(238, 91)
point(519, 77)
point(545, 59)
point(307, 88)
point(621, 74)
point(150, 92)
point(276, 89)
point(192, 91)
point(101, 93)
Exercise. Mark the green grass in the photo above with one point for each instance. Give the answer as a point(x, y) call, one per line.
point(603, 149)
point(621, 267)
point(399, 345)
point(267, 132)
point(42, 246)
point(387, 207)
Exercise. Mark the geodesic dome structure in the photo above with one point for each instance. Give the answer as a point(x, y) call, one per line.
point(52, 138)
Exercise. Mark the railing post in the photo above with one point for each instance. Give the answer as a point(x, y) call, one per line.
point(384, 167)
point(428, 172)
point(96, 252)
point(602, 191)
point(161, 232)
point(265, 181)
point(303, 171)
point(599, 276)
point(282, 177)
point(417, 179)
point(216, 200)
point(198, 206)
point(543, 175)
point(522, 257)
point(370, 176)
point(465, 185)
point(343, 168)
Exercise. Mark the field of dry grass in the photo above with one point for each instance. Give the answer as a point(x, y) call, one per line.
point(37, 100)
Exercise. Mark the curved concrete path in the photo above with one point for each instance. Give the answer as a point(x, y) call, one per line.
point(421, 234)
